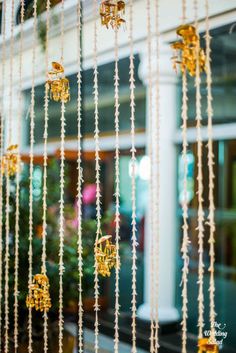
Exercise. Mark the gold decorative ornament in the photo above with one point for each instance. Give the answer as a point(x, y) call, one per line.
point(111, 13)
point(39, 296)
point(58, 84)
point(187, 51)
point(105, 253)
point(205, 346)
point(10, 163)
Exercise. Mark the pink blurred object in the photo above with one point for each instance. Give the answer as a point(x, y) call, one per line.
point(89, 194)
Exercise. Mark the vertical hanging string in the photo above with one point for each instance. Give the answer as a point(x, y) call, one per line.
point(133, 186)
point(211, 216)
point(200, 227)
point(45, 163)
point(1, 154)
point(151, 190)
point(117, 193)
point(7, 230)
point(11, 71)
point(97, 171)
point(7, 206)
point(185, 241)
point(31, 169)
point(62, 185)
point(156, 174)
point(16, 264)
point(79, 182)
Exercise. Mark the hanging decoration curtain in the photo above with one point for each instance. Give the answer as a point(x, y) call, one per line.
point(2, 133)
point(46, 300)
point(9, 171)
point(117, 192)
point(31, 170)
point(185, 242)
point(133, 176)
point(62, 185)
point(17, 216)
point(156, 172)
point(80, 180)
point(200, 221)
point(193, 61)
point(211, 215)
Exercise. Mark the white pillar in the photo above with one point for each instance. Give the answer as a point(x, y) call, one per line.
point(168, 243)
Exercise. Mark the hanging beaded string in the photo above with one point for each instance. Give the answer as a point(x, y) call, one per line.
point(200, 226)
point(97, 170)
point(1, 152)
point(16, 264)
point(156, 176)
point(117, 192)
point(11, 71)
point(79, 182)
point(211, 216)
point(45, 164)
point(62, 185)
point(7, 230)
point(151, 190)
point(133, 186)
point(31, 169)
point(185, 241)
point(7, 206)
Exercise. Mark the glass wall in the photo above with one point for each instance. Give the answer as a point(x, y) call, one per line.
point(224, 90)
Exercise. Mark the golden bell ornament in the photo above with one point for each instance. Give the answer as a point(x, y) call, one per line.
point(187, 51)
point(39, 296)
point(205, 346)
point(58, 84)
point(105, 254)
point(10, 162)
point(112, 13)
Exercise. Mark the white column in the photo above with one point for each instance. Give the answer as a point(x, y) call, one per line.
point(168, 243)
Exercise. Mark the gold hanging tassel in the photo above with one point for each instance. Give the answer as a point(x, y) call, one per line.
point(39, 296)
point(205, 346)
point(112, 13)
point(105, 254)
point(58, 84)
point(187, 51)
point(10, 162)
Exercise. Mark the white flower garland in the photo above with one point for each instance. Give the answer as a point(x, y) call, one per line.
point(79, 183)
point(133, 183)
point(17, 215)
point(211, 216)
point(117, 193)
point(1, 153)
point(32, 124)
point(97, 172)
point(200, 227)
